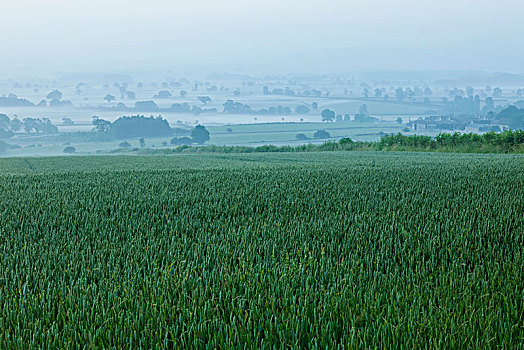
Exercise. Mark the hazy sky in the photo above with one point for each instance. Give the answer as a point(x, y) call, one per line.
point(260, 35)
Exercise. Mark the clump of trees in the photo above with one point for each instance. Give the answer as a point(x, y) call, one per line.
point(69, 150)
point(233, 107)
point(43, 125)
point(512, 116)
point(38, 125)
point(163, 94)
point(504, 142)
point(134, 126)
point(199, 135)
point(13, 101)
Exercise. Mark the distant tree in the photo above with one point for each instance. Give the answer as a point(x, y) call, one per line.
point(55, 94)
point(181, 141)
point(163, 94)
point(321, 134)
point(124, 144)
point(378, 93)
point(5, 122)
point(67, 121)
point(69, 150)
point(43, 125)
point(399, 120)
point(328, 115)
point(236, 107)
point(16, 125)
point(365, 92)
point(130, 95)
point(314, 105)
point(204, 99)
point(122, 90)
point(59, 103)
point(497, 92)
point(101, 126)
point(5, 125)
point(229, 130)
point(301, 109)
point(363, 110)
point(301, 137)
point(427, 91)
point(29, 125)
point(196, 110)
point(109, 98)
point(199, 134)
point(146, 106)
point(140, 85)
point(180, 107)
point(183, 93)
point(410, 94)
point(142, 142)
point(400, 94)
point(46, 126)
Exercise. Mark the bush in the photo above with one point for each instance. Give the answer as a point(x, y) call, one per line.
point(302, 109)
point(69, 149)
point(321, 134)
point(124, 144)
point(301, 137)
point(179, 141)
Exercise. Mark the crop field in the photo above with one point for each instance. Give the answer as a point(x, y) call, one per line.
point(316, 250)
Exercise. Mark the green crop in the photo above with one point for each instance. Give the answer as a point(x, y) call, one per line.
point(283, 250)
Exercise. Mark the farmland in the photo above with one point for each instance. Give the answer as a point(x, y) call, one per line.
point(346, 249)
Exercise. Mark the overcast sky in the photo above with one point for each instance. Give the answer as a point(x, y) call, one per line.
point(262, 36)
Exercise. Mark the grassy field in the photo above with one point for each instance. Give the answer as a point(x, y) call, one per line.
point(242, 134)
point(317, 250)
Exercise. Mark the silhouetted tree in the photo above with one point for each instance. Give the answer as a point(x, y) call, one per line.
point(109, 98)
point(101, 126)
point(328, 115)
point(199, 134)
point(55, 94)
point(301, 109)
point(204, 99)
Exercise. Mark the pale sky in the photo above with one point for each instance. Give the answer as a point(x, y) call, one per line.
point(260, 35)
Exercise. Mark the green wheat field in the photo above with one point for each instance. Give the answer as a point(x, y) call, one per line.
point(312, 250)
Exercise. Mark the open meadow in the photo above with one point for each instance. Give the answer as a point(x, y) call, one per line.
point(319, 250)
